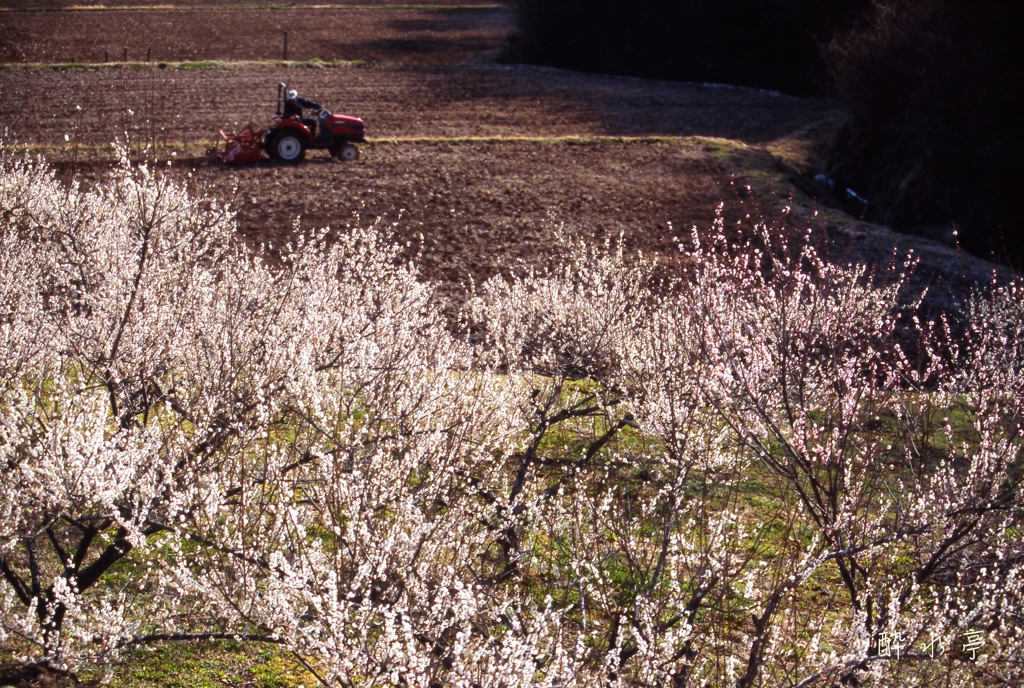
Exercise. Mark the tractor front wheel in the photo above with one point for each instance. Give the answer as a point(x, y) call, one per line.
point(345, 152)
point(288, 148)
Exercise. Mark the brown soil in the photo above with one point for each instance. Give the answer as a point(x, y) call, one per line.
point(485, 161)
point(475, 167)
point(472, 210)
point(435, 36)
point(172, 105)
point(476, 209)
point(104, 5)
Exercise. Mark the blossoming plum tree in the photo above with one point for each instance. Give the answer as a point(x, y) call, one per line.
point(748, 476)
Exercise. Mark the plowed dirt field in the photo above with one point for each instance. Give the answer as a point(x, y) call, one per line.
point(215, 32)
point(476, 166)
point(40, 106)
point(484, 161)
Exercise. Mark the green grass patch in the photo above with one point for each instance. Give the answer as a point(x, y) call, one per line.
point(722, 150)
point(211, 664)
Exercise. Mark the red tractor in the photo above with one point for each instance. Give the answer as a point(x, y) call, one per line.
point(289, 138)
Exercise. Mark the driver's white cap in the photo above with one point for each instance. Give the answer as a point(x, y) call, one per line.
point(292, 93)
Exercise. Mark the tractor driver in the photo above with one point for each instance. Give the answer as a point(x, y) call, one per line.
point(293, 105)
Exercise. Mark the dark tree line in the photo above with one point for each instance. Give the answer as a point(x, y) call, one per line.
point(934, 89)
point(767, 43)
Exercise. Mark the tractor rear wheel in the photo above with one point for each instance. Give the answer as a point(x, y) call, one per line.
point(289, 148)
point(345, 152)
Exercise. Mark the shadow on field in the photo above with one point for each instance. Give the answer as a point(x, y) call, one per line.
point(540, 101)
point(439, 36)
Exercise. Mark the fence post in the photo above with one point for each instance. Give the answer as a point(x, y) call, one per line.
point(125, 55)
point(285, 46)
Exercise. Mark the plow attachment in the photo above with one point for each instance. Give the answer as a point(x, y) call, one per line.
point(241, 148)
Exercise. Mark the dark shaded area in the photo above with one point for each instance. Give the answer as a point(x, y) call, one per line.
point(34, 676)
point(935, 90)
point(763, 43)
point(473, 34)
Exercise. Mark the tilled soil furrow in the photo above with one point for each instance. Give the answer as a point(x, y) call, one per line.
point(102, 5)
point(96, 107)
point(476, 210)
point(443, 36)
point(219, 5)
